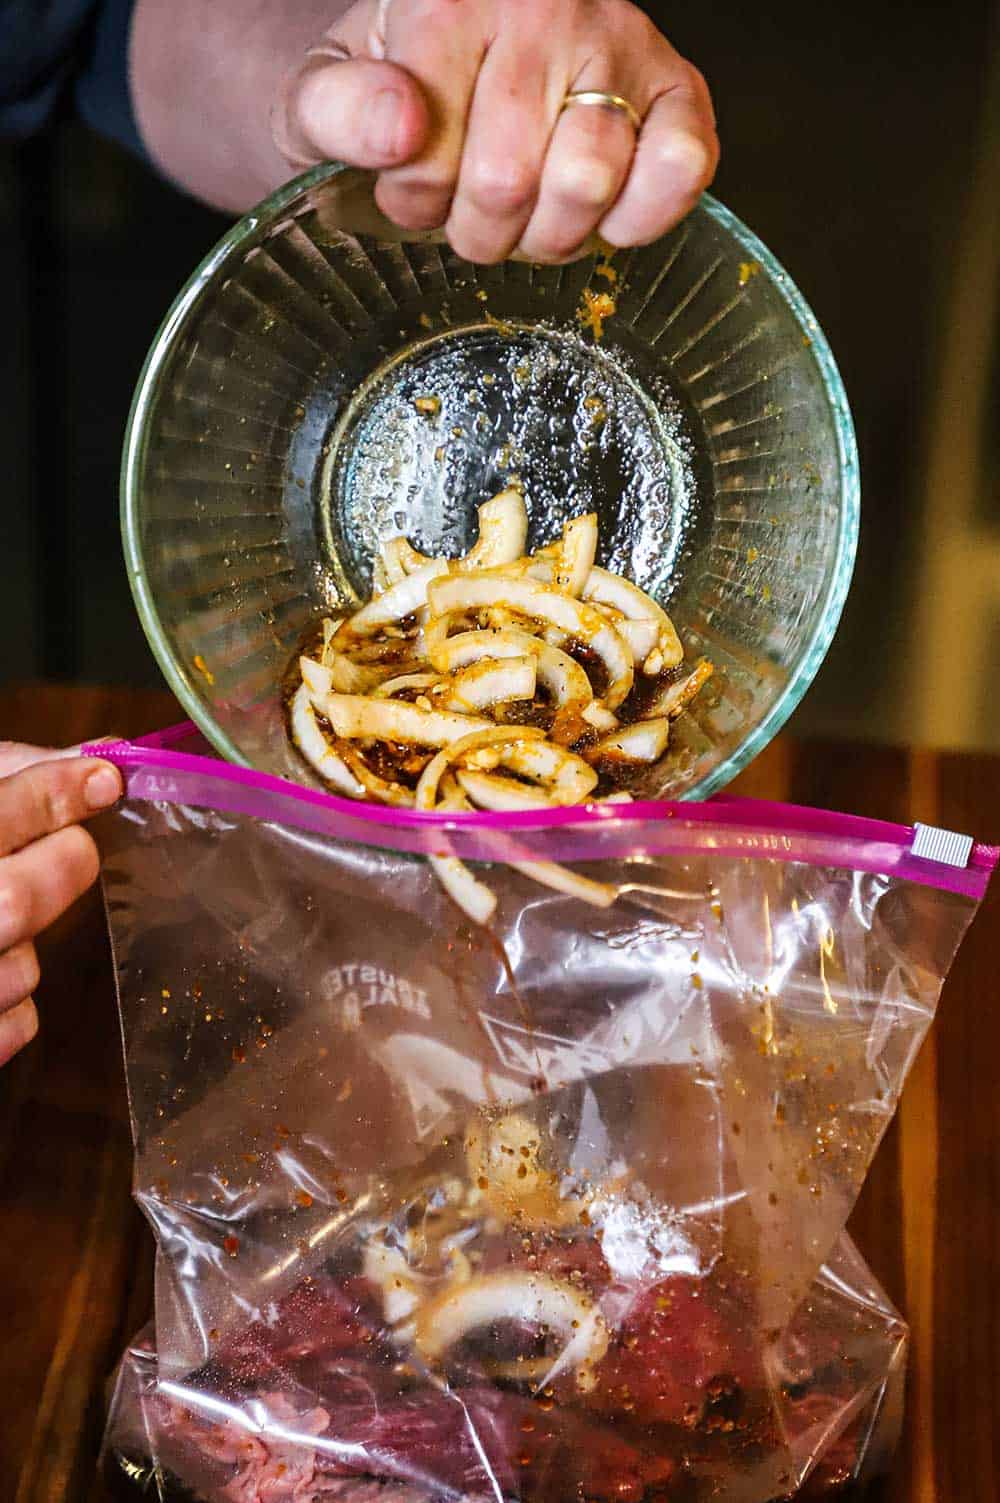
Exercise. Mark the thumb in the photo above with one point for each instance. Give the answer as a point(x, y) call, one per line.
point(358, 111)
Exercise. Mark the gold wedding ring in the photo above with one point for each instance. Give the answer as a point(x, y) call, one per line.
point(607, 102)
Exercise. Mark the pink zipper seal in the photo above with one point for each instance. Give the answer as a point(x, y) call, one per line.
point(154, 771)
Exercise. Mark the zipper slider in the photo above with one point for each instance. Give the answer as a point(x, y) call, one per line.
point(943, 846)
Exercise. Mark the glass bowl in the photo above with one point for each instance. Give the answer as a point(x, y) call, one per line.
point(276, 438)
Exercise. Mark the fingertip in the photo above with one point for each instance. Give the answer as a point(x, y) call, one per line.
point(102, 786)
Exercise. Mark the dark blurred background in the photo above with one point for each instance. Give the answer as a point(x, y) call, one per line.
point(861, 142)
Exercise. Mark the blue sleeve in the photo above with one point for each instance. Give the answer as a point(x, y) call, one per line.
point(58, 55)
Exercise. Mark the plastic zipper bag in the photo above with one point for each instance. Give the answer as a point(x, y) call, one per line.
point(551, 1209)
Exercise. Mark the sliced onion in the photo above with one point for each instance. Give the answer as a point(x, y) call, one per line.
point(561, 675)
point(672, 700)
point(503, 531)
point(397, 795)
point(567, 776)
point(348, 677)
point(475, 899)
point(599, 716)
point(399, 559)
point(643, 741)
point(463, 592)
point(381, 652)
point(622, 595)
point(643, 638)
point(516, 1295)
point(485, 736)
point(317, 677)
point(316, 748)
point(563, 879)
point(398, 602)
point(354, 715)
point(609, 589)
point(492, 681)
point(405, 681)
point(576, 556)
point(501, 794)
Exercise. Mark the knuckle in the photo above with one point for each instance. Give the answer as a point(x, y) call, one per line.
point(79, 858)
point(587, 180)
point(688, 161)
point(57, 796)
point(15, 911)
point(24, 973)
point(501, 187)
point(31, 972)
point(643, 29)
point(693, 86)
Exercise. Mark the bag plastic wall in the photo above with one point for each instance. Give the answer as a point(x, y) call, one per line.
point(552, 1210)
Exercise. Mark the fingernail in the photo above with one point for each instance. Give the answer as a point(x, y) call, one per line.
point(103, 787)
point(384, 121)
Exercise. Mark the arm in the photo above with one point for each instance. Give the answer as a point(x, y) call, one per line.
point(204, 79)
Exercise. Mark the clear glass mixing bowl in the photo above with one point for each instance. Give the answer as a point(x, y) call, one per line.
point(275, 439)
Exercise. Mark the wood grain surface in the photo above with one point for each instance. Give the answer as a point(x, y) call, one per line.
point(75, 1257)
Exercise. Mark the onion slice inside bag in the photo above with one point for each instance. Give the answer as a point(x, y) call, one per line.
point(500, 680)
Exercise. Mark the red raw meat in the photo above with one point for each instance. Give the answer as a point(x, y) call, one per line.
point(681, 1348)
point(469, 1443)
point(322, 1317)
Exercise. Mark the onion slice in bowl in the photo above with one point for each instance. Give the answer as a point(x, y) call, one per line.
point(316, 749)
point(676, 697)
point(503, 531)
point(500, 795)
point(464, 592)
point(381, 789)
point(421, 681)
point(508, 737)
point(399, 601)
point(354, 716)
point(567, 776)
point(577, 553)
point(609, 589)
point(492, 681)
point(642, 741)
point(317, 677)
point(561, 675)
point(400, 558)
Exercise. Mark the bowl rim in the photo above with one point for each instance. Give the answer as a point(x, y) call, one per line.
point(268, 212)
